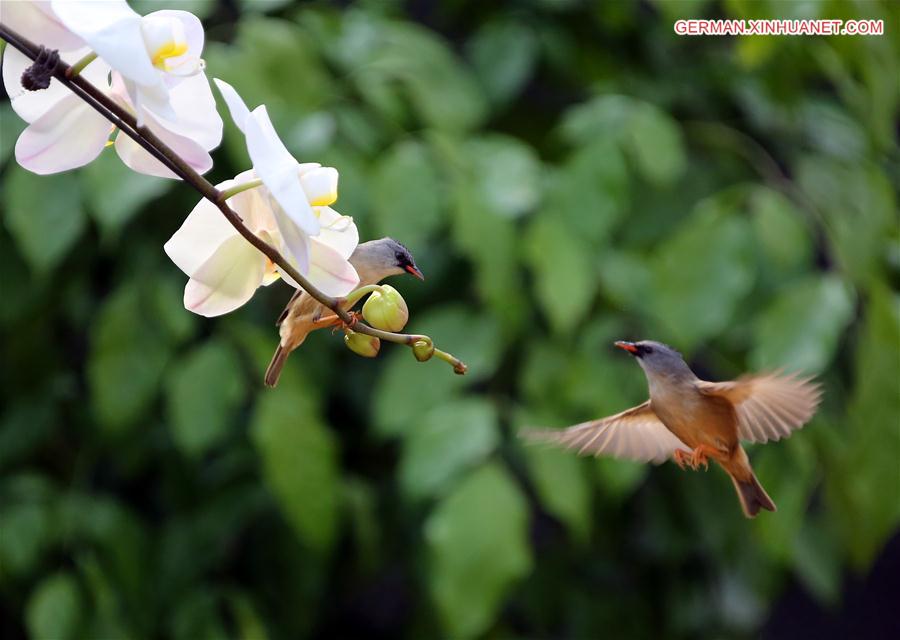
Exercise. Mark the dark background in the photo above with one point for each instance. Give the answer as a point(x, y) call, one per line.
point(567, 173)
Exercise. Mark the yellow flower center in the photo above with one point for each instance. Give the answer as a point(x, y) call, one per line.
point(168, 50)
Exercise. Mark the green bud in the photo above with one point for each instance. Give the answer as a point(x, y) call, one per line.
point(423, 350)
point(386, 309)
point(361, 344)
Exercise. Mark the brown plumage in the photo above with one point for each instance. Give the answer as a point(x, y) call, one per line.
point(374, 261)
point(692, 420)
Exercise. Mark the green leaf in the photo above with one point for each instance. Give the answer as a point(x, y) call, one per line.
point(652, 138)
point(409, 388)
point(54, 608)
point(506, 174)
point(786, 472)
point(702, 272)
point(251, 626)
point(817, 559)
point(197, 615)
point(864, 488)
point(784, 237)
point(860, 208)
point(25, 426)
point(442, 91)
point(656, 145)
point(562, 486)
point(25, 534)
point(300, 463)
point(478, 548)
point(603, 117)
point(618, 479)
point(407, 194)
point(449, 439)
point(204, 391)
point(503, 54)
point(564, 269)
point(114, 193)
point(44, 216)
point(262, 6)
point(127, 357)
point(475, 217)
point(200, 8)
point(589, 194)
point(497, 276)
point(10, 128)
point(800, 329)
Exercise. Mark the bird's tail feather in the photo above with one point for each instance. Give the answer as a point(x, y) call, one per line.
point(273, 372)
point(752, 496)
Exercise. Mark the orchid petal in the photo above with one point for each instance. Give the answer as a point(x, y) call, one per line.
point(329, 271)
point(174, 32)
point(295, 241)
point(203, 231)
point(277, 169)
point(194, 109)
point(236, 106)
point(226, 280)
point(37, 20)
point(113, 30)
point(69, 135)
point(305, 167)
point(320, 186)
point(255, 207)
point(140, 160)
point(338, 232)
point(31, 105)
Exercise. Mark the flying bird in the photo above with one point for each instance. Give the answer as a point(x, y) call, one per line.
point(691, 420)
point(374, 261)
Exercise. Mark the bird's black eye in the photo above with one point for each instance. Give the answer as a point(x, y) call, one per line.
point(645, 349)
point(401, 259)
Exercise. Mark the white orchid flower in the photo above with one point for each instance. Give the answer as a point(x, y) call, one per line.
point(225, 270)
point(295, 188)
point(153, 53)
point(65, 133)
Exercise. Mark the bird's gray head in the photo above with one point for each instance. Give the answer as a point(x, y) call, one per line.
point(383, 257)
point(657, 359)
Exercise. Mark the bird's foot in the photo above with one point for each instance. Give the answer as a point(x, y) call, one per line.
point(698, 457)
point(694, 459)
point(682, 458)
point(354, 318)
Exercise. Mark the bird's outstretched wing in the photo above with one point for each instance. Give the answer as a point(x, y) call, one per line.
point(635, 434)
point(769, 406)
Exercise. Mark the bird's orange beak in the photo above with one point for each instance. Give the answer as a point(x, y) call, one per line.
point(414, 271)
point(630, 347)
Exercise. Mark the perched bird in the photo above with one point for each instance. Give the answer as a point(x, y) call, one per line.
point(691, 420)
point(373, 261)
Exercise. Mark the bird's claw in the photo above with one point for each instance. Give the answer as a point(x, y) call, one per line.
point(354, 318)
point(681, 458)
point(693, 459)
point(698, 457)
point(344, 326)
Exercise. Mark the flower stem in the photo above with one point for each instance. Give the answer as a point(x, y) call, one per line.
point(354, 296)
point(148, 140)
point(79, 66)
point(238, 188)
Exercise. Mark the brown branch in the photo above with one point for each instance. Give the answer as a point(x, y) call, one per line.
point(149, 141)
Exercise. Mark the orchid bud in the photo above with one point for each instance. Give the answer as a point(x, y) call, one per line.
point(361, 344)
point(423, 350)
point(386, 309)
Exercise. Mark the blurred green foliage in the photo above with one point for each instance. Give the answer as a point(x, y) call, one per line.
point(567, 173)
